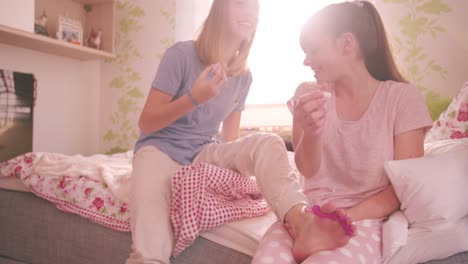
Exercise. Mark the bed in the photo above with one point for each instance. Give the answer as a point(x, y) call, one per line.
point(33, 230)
point(58, 237)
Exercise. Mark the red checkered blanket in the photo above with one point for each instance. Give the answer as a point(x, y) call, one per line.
point(205, 196)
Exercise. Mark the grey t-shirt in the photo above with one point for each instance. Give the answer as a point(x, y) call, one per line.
point(185, 138)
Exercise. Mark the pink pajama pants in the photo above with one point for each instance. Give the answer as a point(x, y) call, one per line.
point(364, 248)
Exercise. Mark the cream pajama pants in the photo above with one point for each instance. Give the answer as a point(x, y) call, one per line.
point(262, 155)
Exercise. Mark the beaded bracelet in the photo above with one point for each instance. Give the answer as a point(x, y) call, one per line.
point(189, 94)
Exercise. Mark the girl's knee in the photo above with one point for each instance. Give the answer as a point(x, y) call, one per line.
point(269, 140)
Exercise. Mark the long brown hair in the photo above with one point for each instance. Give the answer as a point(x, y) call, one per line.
point(211, 40)
point(362, 19)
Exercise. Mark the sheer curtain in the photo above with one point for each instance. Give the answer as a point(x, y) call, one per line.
point(276, 60)
point(189, 17)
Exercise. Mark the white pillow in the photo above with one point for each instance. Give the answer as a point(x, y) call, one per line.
point(440, 242)
point(432, 188)
point(441, 146)
point(394, 234)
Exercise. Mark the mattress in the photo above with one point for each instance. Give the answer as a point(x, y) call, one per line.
point(242, 236)
point(34, 231)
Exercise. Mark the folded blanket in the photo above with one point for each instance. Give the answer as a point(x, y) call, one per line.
point(205, 196)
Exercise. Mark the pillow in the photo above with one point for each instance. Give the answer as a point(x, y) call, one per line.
point(441, 146)
point(394, 234)
point(395, 229)
point(453, 123)
point(431, 188)
point(438, 242)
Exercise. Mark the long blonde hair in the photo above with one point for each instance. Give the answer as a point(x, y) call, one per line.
point(211, 41)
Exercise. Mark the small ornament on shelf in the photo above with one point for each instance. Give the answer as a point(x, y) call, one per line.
point(70, 30)
point(40, 24)
point(94, 39)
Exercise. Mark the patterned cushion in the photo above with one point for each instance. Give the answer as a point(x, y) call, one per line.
point(453, 123)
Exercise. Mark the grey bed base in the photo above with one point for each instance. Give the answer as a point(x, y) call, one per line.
point(32, 230)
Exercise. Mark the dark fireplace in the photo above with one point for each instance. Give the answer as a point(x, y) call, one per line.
point(17, 97)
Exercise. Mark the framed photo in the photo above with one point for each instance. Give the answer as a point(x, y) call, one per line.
point(70, 30)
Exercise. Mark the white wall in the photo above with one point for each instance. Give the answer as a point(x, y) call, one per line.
point(190, 16)
point(18, 14)
point(66, 112)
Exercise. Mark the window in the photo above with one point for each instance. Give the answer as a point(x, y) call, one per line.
point(276, 61)
point(276, 58)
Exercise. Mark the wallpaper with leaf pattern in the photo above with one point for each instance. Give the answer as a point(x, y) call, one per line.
point(141, 38)
point(419, 32)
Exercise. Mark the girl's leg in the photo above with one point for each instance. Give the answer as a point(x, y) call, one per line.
point(266, 157)
point(275, 247)
point(364, 248)
point(149, 205)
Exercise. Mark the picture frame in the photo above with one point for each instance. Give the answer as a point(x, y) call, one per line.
point(70, 31)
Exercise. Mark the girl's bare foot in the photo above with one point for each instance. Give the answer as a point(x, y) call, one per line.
point(313, 234)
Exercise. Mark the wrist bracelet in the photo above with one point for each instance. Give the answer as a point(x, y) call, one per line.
point(194, 102)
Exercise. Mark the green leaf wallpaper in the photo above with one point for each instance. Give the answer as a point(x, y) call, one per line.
point(169, 15)
point(420, 26)
point(127, 77)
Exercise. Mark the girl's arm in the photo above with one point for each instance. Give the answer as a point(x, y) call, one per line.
point(297, 133)
point(308, 154)
point(306, 144)
point(160, 111)
point(231, 127)
point(407, 145)
point(308, 124)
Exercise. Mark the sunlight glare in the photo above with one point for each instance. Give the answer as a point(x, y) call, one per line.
point(276, 58)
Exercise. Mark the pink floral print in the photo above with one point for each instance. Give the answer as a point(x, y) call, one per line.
point(458, 135)
point(78, 195)
point(453, 123)
point(98, 202)
point(463, 112)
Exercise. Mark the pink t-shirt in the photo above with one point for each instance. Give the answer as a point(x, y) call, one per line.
point(354, 152)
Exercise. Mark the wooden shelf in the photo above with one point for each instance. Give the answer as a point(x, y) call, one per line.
point(23, 39)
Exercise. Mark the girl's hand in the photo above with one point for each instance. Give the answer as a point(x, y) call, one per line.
point(302, 89)
point(311, 110)
point(208, 83)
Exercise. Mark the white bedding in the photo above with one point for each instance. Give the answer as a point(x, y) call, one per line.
point(243, 235)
